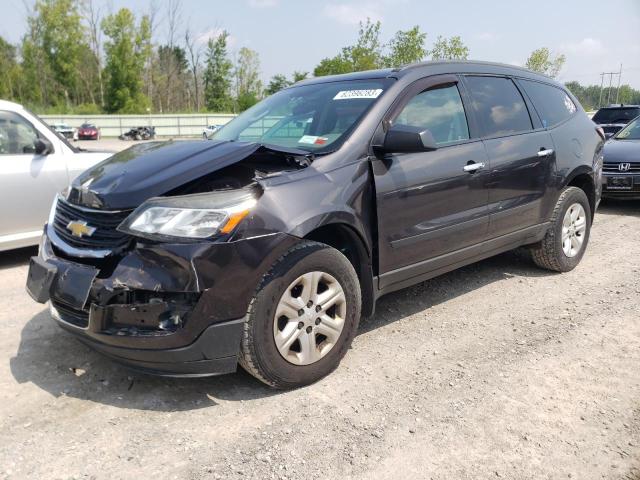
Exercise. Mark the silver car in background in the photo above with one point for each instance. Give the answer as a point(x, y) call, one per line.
point(35, 164)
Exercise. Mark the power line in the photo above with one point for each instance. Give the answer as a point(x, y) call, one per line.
point(611, 74)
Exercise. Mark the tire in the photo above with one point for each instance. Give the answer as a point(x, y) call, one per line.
point(550, 253)
point(259, 352)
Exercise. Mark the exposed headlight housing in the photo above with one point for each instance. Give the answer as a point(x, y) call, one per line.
point(195, 217)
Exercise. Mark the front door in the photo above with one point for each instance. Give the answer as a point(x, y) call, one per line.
point(431, 203)
point(29, 181)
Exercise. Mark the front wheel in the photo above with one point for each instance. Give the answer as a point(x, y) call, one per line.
point(303, 318)
point(566, 240)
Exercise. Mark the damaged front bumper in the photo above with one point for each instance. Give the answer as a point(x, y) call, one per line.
point(167, 309)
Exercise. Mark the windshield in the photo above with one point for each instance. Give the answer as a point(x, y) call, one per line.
point(315, 118)
point(630, 132)
point(616, 115)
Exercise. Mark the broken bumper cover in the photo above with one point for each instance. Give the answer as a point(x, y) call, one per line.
point(166, 309)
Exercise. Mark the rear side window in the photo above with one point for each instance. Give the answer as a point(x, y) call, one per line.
point(438, 110)
point(498, 105)
point(552, 103)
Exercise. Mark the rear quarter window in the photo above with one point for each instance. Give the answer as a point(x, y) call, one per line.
point(552, 103)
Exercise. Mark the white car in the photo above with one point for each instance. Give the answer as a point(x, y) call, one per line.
point(208, 132)
point(35, 164)
point(65, 130)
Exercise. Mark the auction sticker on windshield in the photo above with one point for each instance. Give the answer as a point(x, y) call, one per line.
point(313, 140)
point(349, 94)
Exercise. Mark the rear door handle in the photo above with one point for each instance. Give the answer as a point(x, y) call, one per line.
point(545, 152)
point(472, 167)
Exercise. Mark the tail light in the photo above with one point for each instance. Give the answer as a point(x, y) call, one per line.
point(601, 133)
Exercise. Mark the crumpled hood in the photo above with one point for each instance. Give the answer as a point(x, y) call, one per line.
point(147, 170)
point(617, 151)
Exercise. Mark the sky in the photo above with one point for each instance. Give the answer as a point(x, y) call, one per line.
point(595, 35)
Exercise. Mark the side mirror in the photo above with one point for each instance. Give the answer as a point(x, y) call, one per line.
point(407, 139)
point(42, 146)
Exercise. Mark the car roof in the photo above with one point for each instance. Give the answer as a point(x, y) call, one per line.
point(434, 68)
point(6, 105)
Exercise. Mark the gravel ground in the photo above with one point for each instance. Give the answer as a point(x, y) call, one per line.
point(497, 370)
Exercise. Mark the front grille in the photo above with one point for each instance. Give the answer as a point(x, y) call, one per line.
point(105, 222)
point(610, 167)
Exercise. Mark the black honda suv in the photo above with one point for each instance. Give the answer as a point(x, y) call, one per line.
point(266, 246)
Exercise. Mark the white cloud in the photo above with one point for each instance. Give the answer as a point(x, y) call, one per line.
point(487, 36)
point(352, 14)
point(213, 33)
point(587, 47)
point(263, 3)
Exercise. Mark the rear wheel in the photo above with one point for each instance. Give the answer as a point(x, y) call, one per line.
point(566, 241)
point(303, 317)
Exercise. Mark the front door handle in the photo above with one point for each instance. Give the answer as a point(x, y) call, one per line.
point(545, 152)
point(472, 167)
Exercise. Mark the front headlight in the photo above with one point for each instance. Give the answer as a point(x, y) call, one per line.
point(189, 217)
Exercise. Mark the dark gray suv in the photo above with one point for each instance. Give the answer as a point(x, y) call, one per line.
point(265, 246)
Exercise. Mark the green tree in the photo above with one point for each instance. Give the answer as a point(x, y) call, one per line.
point(248, 84)
point(333, 66)
point(171, 78)
point(593, 97)
point(541, 61)
point(127, 49)
point(280, 81)
point(52, 52)
point(366, 54)
point(406, 47)
point(10, 80)
point(277, 83)
point(217, 75)
point(449, 49)
point(299, 76)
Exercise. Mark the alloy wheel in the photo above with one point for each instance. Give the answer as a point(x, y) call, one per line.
point(309, 318)
point(574, 227)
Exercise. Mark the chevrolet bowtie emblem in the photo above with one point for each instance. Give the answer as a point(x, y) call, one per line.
point(80, 229)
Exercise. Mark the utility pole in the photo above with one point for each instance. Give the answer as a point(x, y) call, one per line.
point(601, 87)
point(619, 80)
point(611, 74)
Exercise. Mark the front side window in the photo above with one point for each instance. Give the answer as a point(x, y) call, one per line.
point(498, 105)
point(552, 103)
point(438, 110)
point(316, 117)
point(630, 132)
point(16, 135)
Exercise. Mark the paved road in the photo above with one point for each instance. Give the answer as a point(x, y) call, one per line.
point(498, 370)
point(114, 144)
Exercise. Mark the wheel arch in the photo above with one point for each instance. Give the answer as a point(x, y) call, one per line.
point(582, 178)
point(347, 240)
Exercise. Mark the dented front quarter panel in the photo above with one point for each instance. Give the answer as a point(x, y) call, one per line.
point(298, 202)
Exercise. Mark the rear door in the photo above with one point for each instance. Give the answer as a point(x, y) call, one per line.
point(520, 150)
point(431, 203)
point(29, 181)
